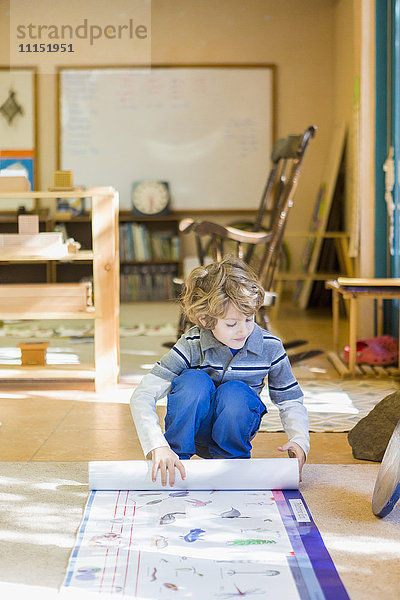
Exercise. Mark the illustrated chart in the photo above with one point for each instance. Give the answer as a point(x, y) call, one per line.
point(214, 544)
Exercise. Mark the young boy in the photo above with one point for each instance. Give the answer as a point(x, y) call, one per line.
point(214, 375)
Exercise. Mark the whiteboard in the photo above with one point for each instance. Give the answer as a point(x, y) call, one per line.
point(207, 131)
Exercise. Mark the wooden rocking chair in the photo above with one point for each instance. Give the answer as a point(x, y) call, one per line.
point(214, 240)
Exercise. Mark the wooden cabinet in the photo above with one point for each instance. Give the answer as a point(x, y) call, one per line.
point(103, 260)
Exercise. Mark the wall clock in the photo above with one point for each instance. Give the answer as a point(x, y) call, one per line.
point(150, 198)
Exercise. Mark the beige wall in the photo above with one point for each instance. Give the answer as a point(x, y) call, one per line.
point(354, 57)
point(345, 70)
point(296, 35)
point(312, 43)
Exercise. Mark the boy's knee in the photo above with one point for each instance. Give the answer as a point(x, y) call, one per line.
point(235, 397)
point(192, 390)
point(193, 379)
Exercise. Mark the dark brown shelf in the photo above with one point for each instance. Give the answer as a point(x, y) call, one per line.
point(126, 215)
point(84, 218)
point(151, 262)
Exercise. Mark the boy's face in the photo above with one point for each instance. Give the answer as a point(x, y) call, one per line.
point(234, 328)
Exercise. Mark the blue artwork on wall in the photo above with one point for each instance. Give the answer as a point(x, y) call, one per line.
point(25, 164)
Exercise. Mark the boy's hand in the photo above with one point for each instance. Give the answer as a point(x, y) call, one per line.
point(295, 451)
point(166, 460)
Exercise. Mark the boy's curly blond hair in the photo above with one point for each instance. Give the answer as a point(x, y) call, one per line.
point(208, 291)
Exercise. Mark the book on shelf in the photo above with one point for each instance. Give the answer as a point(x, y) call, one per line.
point(138, 243)
point(141, 283)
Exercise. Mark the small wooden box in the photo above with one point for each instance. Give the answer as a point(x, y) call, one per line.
point(33, 353)
point(28, 224)
point(63, 179)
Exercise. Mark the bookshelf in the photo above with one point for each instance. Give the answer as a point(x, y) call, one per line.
point(150, 256)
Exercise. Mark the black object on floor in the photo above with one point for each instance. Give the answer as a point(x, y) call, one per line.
point(168, 344)
point(294, 344)
point(295, 358)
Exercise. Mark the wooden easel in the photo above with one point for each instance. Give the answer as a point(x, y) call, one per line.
point(319, 225)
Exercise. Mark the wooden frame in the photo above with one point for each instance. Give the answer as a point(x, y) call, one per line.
point(13, 143)
point(66, 158)
point(105, 257)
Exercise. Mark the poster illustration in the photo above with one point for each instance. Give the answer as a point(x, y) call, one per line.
point(210, 544)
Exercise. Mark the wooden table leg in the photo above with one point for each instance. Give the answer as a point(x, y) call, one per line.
point(335, 319)
point(353, 334)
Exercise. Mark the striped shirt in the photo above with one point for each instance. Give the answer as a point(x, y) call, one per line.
point(261, 360)
point(262, 356)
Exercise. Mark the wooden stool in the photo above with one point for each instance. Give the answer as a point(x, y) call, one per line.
point(353, 290)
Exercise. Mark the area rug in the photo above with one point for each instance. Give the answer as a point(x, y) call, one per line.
point(334, 406)
point(75, 332)
point(43, 503)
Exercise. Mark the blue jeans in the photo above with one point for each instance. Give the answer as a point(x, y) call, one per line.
point(208, 421)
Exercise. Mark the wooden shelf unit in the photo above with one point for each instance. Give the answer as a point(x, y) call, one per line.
point(79, 228)
point(103, 259)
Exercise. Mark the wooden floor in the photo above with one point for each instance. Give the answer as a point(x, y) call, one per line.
point(39, 425)
point(56, 422)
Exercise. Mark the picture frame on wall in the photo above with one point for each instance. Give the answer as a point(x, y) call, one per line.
point(18, 128)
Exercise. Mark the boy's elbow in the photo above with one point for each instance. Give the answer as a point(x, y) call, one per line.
point(132, 400)
point(134, 405)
